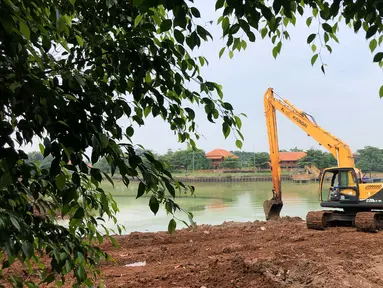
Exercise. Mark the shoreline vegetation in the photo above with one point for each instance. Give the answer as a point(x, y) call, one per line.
point(235, 176)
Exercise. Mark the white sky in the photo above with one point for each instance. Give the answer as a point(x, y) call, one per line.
point(345, 101)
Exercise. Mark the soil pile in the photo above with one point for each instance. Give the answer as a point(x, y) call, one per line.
point(282, 253)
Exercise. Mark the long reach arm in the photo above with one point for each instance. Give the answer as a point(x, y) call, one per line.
point(340, 150)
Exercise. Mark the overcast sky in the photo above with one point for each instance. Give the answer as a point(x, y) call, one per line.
point(345, 101)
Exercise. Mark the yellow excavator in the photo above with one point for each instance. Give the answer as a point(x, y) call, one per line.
point(342, 187)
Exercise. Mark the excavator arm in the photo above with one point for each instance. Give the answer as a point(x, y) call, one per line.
point(340, 150)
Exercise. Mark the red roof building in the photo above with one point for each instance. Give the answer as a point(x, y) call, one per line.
point(290, 159)
point(218, 155)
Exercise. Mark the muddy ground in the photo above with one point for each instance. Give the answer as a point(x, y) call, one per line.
point(281, 253)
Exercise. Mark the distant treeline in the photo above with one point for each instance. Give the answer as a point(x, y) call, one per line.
point(369, 159)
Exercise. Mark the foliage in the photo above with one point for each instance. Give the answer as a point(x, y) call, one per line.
point(318, 158)
point(296, 149)
point(231, 163)
point(182, 160)
point(70, 70)
point(272, 19)
point(251, 159)
point(370, 159)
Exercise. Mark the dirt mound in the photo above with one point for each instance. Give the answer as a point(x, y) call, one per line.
point(281, 253)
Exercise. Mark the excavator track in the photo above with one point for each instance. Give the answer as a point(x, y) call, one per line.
point(369, 221)
point(317, 219)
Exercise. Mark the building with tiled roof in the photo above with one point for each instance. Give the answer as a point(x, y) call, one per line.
point(290, 159)
point(218, 155)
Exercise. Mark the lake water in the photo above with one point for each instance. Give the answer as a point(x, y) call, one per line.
point(213, 203)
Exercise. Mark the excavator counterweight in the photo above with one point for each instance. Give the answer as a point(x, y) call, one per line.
point(339, 187)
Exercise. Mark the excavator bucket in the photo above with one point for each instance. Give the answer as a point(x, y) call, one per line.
point(272, 208)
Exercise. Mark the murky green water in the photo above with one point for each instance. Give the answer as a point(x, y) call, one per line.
point(213, 203)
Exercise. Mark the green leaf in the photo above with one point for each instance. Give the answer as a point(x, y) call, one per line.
point(313, 59)
point(231, 54)
point(308, 21)
point(311, 38)
point(322, 68)
point(27, 248)
point(15, 223)
point(153, 204)
point(219, 4)
point(238, 121)
point(141, 190)
point(108, 177)
point(129, 131)
point(24, 29)
point(137, 2)
point(373, 44)
point(166, 25)
point(81, 274)
point(264, 32)
point(225, 24)
point(226, 129)
point(195, 12)
point(221, 52)
point(80, 41)
point(326, 27)
point(60, 181)
point(313, 47)
point(201, 60)
point(179, 36)
point(138, 19)
point(244, 44)
point(378, 57)
point(170, 188)
point(371, 31)
point(5, 180)
point(238, 143)
point(172, 226)
point(41, 147)
point(79, 214)
point(381, 91)
point(50, 278)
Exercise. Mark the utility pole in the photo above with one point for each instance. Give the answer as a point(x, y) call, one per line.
point(193, 160)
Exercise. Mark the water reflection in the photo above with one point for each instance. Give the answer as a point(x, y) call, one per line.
point(214, 203)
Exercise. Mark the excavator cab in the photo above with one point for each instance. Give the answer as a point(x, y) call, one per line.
point(339, 185)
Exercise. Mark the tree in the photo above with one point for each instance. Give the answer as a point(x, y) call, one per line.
point(232, 163)
point(260, 160)
point(370, 159)
point(296, 149)
point(244, 158)
point(182, 160)
point(69, 70)
point(318, 158)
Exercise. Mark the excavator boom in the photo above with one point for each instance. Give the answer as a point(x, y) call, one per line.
point(340, 150)
point(273, 207)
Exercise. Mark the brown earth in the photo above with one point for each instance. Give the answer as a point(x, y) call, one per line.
point(281, 253)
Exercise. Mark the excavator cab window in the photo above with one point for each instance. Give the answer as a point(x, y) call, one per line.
point(339, 185)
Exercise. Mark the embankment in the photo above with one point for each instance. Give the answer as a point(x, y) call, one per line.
point(230, 178)
point(192, 179)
